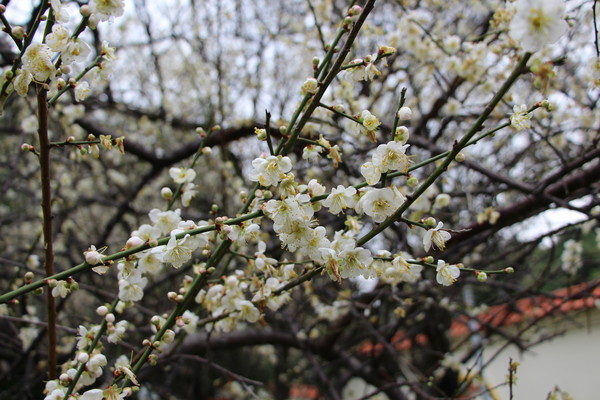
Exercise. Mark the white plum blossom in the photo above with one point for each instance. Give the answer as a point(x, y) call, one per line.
point(149, 263)
point(446, 274)
point(188, 191)
point(22, 81)
point(405, 272)
point(520, 119)
point(37, 59)
point(285, 212)
point(115, 332)
point(436, 238)
point(297, 235)
point(58, 39)
point(177, 252)
point(315, 188)
point(270, 170)
point(62, 289)
point(82, 91)
point(164, 221)
point(391, 157)
point(371, 70)
point(191, 321)
point(61, 12)
point(380, 203)
point(131, 288)
point(369, 122)
point(317, 241)
point(56, 394)
point(571, 257)
point(355, 262)
point(243, 233)
point(92, 394)
point(122, 366)
point(340, 198)
point(371, 172)
point(330, 261)
point(147, 232)
point(312, 153)
point(537, 23)
point(263, 263)
point(104, 10)
point(346, 262)
point(182, 175)
point(76, 50)
point(247, 310)
point(357, 73)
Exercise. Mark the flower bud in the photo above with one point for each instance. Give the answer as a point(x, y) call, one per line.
point(347, 23)
point(65, 69)
point(110, 318)
point(28, 277)
point(339, 108)
point(168, 337)
point(166, 193)
point(64, 379)
point(404, 113)
point(102, 311)
point(133, 241)
point(429, 259)
point(26, 147)
point(207, 151)
point(85, 11)
point(460, 157)
point(355, 10)
point(18, 32)
point(509, 270)
point(261, 134)
point(481, 276)
point(83, 357)
point(92, 256)
point(431, 222)
point(200, 131)
point(310, 85)
point(412, 181)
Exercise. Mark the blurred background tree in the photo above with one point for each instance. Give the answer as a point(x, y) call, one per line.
point(218, 65)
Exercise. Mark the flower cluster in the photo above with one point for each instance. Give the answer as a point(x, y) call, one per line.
point(38, 59)
point(387, 157)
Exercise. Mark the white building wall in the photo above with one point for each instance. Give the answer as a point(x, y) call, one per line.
point(571, 362)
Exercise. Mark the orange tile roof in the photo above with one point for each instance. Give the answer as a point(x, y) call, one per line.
point(566, 300)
